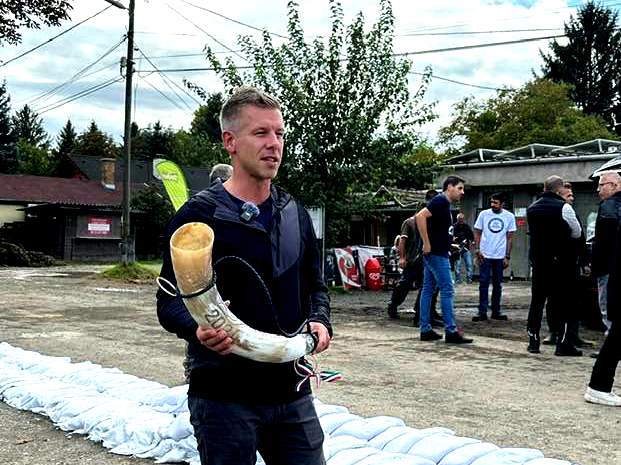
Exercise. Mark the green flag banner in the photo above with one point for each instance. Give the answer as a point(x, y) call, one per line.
point(174, 181)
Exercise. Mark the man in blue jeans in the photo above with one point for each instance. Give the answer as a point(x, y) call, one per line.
point(493, 238)
point(435, 226)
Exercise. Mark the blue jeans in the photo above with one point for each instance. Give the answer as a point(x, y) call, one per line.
point(437, 274)
point(229, 433)
point(490, 269)
point(467, 257)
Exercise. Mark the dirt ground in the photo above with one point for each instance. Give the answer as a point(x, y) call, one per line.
point(492, 390)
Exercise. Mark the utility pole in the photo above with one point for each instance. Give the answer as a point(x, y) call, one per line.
point(127, 241)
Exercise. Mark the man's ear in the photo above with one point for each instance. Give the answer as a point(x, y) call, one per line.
point(228, 140)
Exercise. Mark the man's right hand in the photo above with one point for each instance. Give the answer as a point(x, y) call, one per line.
point(402, 263)
point(426, 248)
point(217, 340)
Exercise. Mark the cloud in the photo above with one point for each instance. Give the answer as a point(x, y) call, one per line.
point(174, 28)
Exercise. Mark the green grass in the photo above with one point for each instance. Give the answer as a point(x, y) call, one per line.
point(131, 272)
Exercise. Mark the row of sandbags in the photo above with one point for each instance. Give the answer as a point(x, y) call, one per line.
point(134, 416)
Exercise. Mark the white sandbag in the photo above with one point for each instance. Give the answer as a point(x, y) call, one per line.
point(436, 446)
point(546, 461)
point(509, 456)
point(368, 428)
point(380, 441)
point(393, 458)
point(352, 456)
point(333, 445)
point(469, 453)
point(332, 421)
point(177, 429)
point(324, 409)
point(404, 442)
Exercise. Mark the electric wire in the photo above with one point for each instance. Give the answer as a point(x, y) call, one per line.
point(207, 33)
point(53, 38)
point(77, 76)
point(477, 86)
point(79, 95)
point(413, 34)
point(235, 20)
point(175, 104)
point(169, 81)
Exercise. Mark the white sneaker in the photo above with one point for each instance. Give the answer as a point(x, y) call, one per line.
point(603, 398)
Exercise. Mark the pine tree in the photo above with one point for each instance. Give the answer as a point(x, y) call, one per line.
point(27, 126)
point(590, 62)
point(67, 140)
point(8, 155)
point(96, 143)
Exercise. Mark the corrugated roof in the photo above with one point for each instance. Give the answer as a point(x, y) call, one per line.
point(402, 198)
point(64, 191)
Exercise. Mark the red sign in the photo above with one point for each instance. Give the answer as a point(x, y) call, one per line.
point(521, 222)
point(99, 227)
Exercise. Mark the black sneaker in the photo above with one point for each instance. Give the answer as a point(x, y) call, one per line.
point(479, 318)
point(533, 343)
point(500, 317)
point(567, 350)
point(456, 338)
point(430, 335)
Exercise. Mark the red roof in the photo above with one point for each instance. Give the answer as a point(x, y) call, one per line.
point(65, 191)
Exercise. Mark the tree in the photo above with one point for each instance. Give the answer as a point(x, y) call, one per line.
point(207, 118)
point(153, 141)
point(540, 111)
point(96, 143)
point(590, 62)
point(197, 150)
point(16, 14)
point(27, 126)
point(35, 160)
point(67, 140)
point(8, 154)
point(340, 97)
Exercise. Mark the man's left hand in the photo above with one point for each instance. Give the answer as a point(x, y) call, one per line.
point(322, 334)
point(505, 263)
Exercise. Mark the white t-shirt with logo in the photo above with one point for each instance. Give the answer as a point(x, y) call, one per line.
point(494, 228)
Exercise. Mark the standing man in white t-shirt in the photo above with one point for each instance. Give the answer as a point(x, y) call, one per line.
point(493, 238)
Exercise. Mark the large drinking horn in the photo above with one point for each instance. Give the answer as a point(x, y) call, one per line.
point(190, 249)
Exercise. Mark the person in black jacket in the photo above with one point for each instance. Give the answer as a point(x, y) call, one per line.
point(608, 217)
point(552, 225)
point(239, 406)
point(600, 390)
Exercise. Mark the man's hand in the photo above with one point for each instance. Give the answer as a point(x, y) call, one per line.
point(217, 340)
point(402, 263)
point(505, 263)
point(480, 258)
point(426, 248)
point(322, 333)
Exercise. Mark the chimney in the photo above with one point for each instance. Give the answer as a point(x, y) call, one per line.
point(107, 173)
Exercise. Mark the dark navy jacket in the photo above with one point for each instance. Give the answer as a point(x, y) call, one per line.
point(287, 260)
point(550, 235)
point(608, 217)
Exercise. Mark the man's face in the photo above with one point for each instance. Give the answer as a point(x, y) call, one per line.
point(606, 188)
point(496, 205)
point(455, 193)
point(257, 142)
point(568, 195)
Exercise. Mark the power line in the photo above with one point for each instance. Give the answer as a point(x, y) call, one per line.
point(162, 94)
point(235, 20)
point(435, 76)
point(53, 38)
point(206, 33)
point(410, 34)
point(167, 81)
point(79, 95)
point(78, 75)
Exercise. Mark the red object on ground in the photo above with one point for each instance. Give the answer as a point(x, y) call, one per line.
point(373, 272)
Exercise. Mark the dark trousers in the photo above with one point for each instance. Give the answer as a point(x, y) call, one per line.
point(603, 375)
point(490, 270)
point(229, 433)
point(551, 282)
point(400, 292)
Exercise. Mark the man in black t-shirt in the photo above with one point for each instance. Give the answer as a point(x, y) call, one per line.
point(435, 226)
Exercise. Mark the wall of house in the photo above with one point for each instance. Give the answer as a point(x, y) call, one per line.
point(10, 214)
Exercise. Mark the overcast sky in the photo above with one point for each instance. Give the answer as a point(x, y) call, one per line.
point(175, 27)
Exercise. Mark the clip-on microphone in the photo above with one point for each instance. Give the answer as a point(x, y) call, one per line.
point(249, 211)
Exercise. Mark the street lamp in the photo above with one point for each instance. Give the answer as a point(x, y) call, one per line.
point(127, 243)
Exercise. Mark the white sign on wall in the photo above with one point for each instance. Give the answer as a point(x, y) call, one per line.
point(317, 217)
